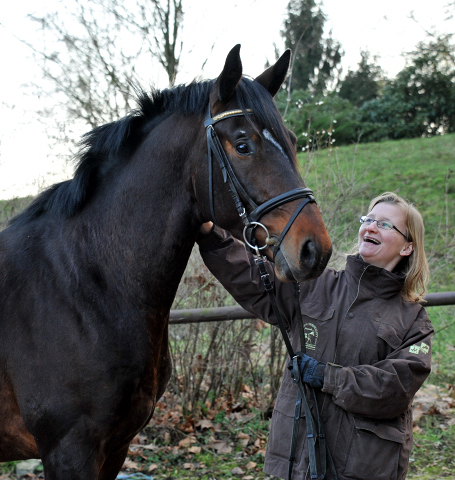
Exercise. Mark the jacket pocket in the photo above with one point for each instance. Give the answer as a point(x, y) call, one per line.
point(317, 311)
point(314, 316)
point(389, 335)
point(281, 427)
point(374, 450)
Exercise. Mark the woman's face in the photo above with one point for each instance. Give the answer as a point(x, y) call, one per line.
point(380, 247)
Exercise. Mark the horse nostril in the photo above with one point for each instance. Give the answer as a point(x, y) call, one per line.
point(308, 254)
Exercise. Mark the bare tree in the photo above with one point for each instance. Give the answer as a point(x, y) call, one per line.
point(164, 40)
point(93, 50)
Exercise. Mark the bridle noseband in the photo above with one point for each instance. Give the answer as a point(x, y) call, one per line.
point(250, 220)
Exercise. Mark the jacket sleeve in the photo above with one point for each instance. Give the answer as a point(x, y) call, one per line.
point(235, 268)
point(385, 389)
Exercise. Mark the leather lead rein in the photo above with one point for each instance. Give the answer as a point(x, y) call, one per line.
point(314, 423)
point(250, 221)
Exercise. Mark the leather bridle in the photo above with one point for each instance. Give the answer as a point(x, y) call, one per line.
point(250, 220)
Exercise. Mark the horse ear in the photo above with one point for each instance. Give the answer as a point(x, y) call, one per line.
point(225, 85)
point(274, 76)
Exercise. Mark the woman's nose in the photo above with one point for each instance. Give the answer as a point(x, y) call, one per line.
point(372, 227)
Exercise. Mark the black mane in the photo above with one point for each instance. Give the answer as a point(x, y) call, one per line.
point(108, 145)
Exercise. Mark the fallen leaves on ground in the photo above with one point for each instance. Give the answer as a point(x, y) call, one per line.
point(223, 429)
point(220, 431)
point(435, 400)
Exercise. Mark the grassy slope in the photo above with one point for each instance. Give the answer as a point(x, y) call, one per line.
point(422, 170)
point(416, 169)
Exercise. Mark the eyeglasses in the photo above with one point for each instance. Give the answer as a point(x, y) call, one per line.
point(384, 224)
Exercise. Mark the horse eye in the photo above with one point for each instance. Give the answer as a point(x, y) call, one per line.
point(242, 149)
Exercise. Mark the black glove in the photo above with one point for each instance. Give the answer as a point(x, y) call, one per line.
point(311, 371)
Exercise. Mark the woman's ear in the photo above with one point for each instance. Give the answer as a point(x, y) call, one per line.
point(407, 249)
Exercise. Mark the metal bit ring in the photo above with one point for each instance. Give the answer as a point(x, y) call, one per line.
point(253, 225)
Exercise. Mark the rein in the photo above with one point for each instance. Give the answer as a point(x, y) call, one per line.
point(314, 423)
point(315, 429)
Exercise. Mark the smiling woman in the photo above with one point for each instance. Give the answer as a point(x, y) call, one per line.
point(382, 242)
point(369, 341)
point(380, 246)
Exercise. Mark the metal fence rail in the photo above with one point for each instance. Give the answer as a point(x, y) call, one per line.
point(197, 315)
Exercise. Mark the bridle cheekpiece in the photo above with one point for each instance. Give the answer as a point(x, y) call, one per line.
point(238, 193)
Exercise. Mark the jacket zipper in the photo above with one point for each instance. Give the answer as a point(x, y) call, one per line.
point(336, 346)
point(347, 311)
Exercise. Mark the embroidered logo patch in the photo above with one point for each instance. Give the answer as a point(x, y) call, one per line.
point(423, 347)
point(311, 336)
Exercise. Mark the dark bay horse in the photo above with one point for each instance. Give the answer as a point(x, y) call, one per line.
point(89, 271)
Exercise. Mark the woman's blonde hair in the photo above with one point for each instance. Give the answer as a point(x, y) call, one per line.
point(415, 266)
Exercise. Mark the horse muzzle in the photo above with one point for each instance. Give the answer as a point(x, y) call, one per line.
point(311, 261)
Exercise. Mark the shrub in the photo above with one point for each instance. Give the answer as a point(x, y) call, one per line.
point(324, 119)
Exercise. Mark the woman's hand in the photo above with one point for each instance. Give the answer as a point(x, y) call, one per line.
point(311, 371)
point(206, 228)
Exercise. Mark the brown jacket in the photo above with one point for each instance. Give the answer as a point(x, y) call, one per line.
point(354, 318)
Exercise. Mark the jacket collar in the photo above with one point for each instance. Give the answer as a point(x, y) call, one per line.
point(374, 280)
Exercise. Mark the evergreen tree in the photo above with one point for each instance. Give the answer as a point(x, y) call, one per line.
point(420, 101)
point(363, 84)
point(316, 61)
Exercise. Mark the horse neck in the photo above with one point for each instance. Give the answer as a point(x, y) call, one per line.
point(147, 215)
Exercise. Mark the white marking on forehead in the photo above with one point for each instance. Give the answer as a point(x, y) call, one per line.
point(268, 136)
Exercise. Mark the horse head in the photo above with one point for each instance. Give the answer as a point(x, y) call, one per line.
point(258, 168)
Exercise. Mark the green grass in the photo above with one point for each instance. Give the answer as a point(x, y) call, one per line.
point(403, 165)
point(8, 468)
point(443, 359)
point(422, 170)
point(433, 451)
